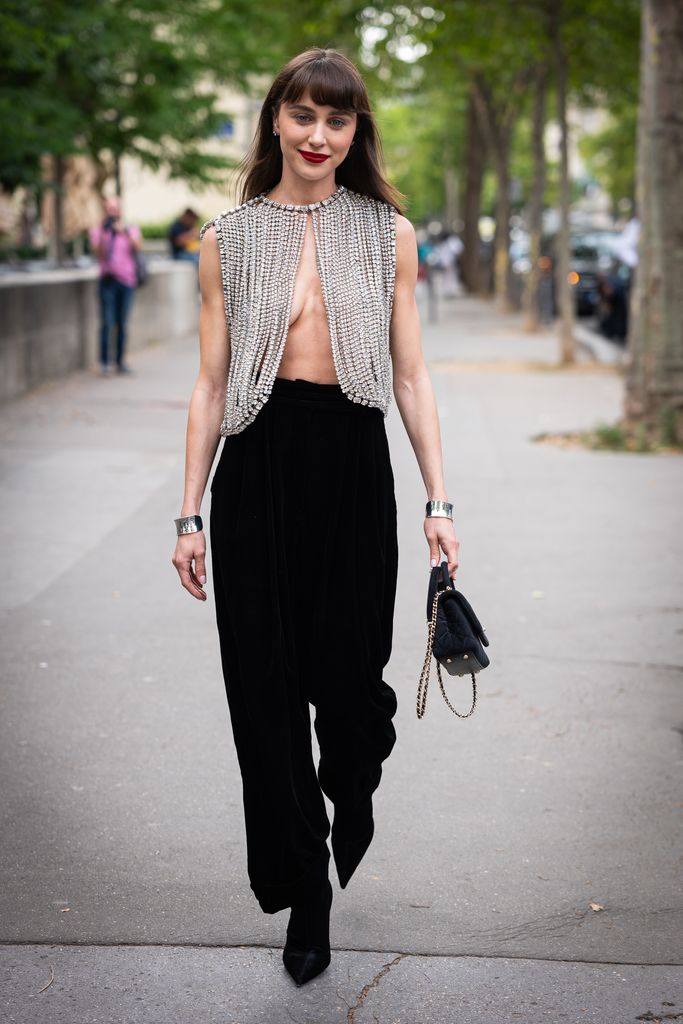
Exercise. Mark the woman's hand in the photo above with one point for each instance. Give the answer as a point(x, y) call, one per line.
point(440, 532)
point(191, 547)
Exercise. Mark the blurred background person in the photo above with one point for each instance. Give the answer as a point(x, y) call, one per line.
point(183, 236)
point(426, 261)
point(449, 249)
point(115, 244)
point(612, 305)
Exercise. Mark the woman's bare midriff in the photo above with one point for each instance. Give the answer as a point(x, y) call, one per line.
point(308, 348)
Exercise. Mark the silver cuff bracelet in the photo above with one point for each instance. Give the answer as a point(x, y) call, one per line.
point(438, 508)
point(188, 524)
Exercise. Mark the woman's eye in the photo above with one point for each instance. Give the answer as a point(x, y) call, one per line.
point(337, 121)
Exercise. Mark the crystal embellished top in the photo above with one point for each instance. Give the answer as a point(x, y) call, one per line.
point(260, 243)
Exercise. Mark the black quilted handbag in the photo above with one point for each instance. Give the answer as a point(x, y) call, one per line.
point(455, 638)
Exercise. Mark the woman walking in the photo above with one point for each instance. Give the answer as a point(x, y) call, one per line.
point(308, 319)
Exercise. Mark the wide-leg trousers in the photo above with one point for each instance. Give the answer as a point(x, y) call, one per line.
point(304, 556)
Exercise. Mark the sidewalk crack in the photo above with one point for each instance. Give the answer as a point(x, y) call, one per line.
point(351, 1016)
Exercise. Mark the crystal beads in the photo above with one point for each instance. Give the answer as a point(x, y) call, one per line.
point(259, 244)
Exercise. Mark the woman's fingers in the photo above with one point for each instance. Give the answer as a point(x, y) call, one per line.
point(188, 580)
point(200, 568)
point(196, 582)
point(432, 534)
point(441, 534)
point(451, 552)
point(189, 549)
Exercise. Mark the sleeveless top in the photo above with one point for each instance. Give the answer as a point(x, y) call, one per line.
point(260, 243)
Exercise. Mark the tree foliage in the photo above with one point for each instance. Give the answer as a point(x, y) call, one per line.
point(138, 78)
point(610, 154)
point(143, 78)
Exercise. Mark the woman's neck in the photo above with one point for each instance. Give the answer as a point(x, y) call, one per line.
point(299, 192)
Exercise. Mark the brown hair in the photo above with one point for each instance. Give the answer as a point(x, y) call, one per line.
point(333, 80)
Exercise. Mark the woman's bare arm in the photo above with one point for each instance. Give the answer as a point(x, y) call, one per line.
point(207, 404)
point(414, 393)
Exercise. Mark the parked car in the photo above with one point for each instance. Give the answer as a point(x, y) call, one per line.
point(591, 254)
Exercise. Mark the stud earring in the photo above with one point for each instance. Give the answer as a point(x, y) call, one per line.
point(275, 133)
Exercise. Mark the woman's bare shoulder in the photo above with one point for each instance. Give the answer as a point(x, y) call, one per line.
point(405, 232)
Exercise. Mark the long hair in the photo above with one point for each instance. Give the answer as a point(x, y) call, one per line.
point(333, 80)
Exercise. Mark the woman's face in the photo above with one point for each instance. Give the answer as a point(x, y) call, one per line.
point(307, 129)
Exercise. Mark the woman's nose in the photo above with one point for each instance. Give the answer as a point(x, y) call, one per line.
point(317, 136)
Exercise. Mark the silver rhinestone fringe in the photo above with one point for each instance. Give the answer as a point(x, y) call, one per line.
point(260, 244)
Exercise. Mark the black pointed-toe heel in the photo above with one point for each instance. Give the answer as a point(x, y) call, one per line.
point(307, 950)
point(304, 964)
point(352, 832)
point(348, 853)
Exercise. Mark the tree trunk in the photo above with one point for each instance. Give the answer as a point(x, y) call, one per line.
point(501, 248)
point(450, 183)
point(498, 128)
point(654, 383)
point(103, 171)
point(56, 248)
point(29, 217)
point(475, 160)
point(530, 299)
point(564, 293)
point(117, 175)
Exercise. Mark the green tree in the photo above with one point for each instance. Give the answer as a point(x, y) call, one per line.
point(491, 50)
point(124, 78)
point(33, 116)
point(610, 154)
point(423, 142)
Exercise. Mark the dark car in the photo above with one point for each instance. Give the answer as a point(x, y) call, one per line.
point(591, 257)
point(598, 278)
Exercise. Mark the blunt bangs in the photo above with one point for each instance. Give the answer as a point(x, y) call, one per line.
point(328, 84)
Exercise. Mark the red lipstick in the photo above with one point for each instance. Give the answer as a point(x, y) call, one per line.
point(313, 158)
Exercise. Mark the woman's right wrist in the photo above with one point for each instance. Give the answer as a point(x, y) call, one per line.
point(189, 524)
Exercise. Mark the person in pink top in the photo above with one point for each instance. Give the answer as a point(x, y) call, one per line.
point(115, 243)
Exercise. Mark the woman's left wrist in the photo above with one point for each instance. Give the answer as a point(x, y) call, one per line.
point(439, 508)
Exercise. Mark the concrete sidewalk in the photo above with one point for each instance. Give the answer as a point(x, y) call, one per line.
point(124, 883)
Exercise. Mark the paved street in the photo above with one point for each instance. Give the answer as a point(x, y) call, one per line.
point(527, 861)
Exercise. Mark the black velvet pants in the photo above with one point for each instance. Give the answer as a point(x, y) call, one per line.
point(304, 556)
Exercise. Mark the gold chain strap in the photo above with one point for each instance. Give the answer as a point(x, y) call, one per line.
point(421, 703)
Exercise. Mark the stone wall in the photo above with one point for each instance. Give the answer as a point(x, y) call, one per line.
point(49, 321)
